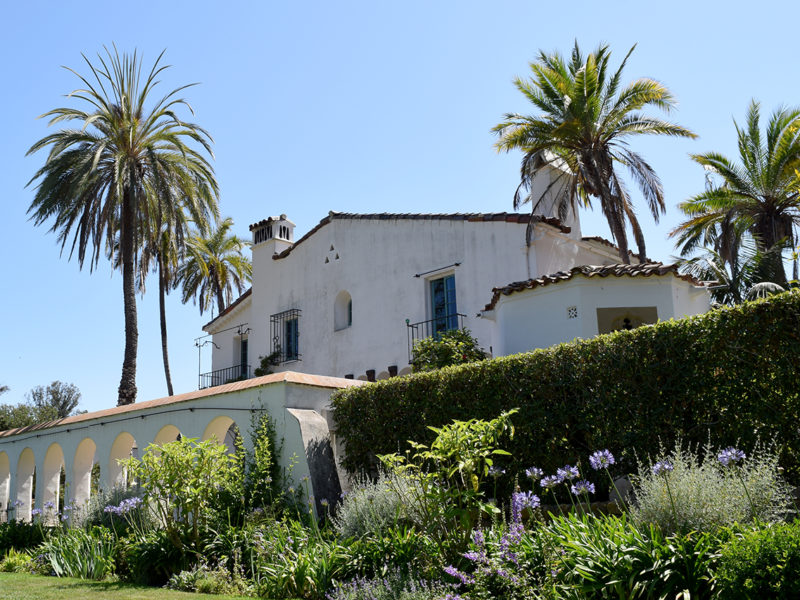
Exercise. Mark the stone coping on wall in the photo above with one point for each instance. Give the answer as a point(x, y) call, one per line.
point(284, 377)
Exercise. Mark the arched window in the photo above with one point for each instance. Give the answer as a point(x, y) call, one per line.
point(342, 311)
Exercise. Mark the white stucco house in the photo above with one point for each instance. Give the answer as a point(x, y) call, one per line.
point(350, 297)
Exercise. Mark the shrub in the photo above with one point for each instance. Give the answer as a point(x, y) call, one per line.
point(761, 563)
point(611, 557)
point(207, 580)
point(97, 513)
point(454, 347)
point(373, 507)
point(732, 371)
point(703, 495)
point(15, 562)
point(394, 586)
point(19, 535)
point(152, 558)
point(82, 554)
point(396, 549)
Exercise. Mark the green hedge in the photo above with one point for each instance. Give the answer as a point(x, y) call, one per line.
point(730, 374)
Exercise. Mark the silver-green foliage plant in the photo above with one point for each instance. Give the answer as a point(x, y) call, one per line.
point(82, 554)
point(372, 507)
point(96, 513)
point(16, 561)
point(699, 493)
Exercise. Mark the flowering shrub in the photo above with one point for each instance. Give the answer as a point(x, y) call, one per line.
point(686, 491)
point(371, 508)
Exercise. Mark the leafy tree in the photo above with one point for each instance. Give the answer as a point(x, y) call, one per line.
point(127, 163)
point(453, 347)
point(582, 132)
point(214, 265)
point(57, 399)
point(760, 195)
point(17, 415)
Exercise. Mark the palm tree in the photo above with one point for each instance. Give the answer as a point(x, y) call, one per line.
point(214, 265)
point(127, 163)
point(761, 195)
point(582, 132)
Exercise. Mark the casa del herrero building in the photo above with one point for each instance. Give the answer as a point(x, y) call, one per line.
point(351, 296)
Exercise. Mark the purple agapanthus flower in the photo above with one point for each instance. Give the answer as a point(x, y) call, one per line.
point(36, 512)
point(496, 471)
point(731, 456)
point(49, 506)
point(568, 472)
point(662, 467)
point(602, 459)
point(519, 502)
point(582, 487)
point(534, 473)
point(550, 481)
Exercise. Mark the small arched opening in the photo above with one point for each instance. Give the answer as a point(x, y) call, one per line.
point(342, 311)
point(167, 434)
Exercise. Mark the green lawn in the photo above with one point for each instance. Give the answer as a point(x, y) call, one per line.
point(14, 586)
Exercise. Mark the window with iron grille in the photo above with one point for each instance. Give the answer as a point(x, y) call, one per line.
point(285, 331)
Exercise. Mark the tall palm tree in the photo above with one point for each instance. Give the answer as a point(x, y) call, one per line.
point(760, 195)
point(127, 162)
point(582, 132)
point(214, 265)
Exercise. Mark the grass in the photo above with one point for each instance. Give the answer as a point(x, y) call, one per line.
point(17, 586)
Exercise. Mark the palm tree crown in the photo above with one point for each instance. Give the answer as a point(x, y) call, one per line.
point(214, 265)
point(582, 132)
point(760, 196)
point(127, 165)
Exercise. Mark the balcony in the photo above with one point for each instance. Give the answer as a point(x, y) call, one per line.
point(432, 328)
point(222, 376)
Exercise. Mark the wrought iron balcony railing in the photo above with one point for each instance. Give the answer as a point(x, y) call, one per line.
point(432, 328)
point(222, 376)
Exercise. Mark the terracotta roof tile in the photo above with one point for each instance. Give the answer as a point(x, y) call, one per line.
point(286, 376)
point(617, 270)
point(469, 217)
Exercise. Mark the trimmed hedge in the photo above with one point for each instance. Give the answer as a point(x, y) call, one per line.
point(730, 374)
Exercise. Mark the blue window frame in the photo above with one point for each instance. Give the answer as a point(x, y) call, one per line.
point(444, 311)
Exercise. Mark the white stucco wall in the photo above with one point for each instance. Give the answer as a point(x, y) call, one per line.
point(539, 317)
point(375, 260)
point(102, 437)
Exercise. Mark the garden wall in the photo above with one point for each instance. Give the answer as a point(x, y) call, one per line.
point(730, 375)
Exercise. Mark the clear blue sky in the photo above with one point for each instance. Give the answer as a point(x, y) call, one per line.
point(347, 106)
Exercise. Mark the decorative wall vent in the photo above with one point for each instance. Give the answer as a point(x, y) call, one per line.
point(572, 312)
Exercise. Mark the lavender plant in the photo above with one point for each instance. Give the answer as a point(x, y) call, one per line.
point(693, 490)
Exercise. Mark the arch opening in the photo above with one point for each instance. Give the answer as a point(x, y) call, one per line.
point(224, 430)
point(124, 447)
point(26, 467)
point(167, 434)
point(342, 311)
point(52, 483)
point(82, 467)
point(5, 485)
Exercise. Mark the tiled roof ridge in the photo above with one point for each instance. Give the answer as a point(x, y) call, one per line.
point(231, 306)
point(603, 241)
point(284, 376)
point(618, 270)
point(470, 217)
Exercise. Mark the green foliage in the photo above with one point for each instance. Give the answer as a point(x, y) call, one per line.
point(453, 347)
point(16, 561)
point(731, 372)
point(152, 558)
point(267, 364)
point(708, 496)
point(375, 507)
point(141, 518)
point(83, 554)
point(263, 481)
point(56, 401)
point(450, 472)
point(610, 557)
point(182, 482)
point(761, 563)
point(207, 580)
point(19, 535)
point(395, 549)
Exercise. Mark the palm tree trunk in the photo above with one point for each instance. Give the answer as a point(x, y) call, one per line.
point(127, 384)
point(162, 313)
point(220, 297)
